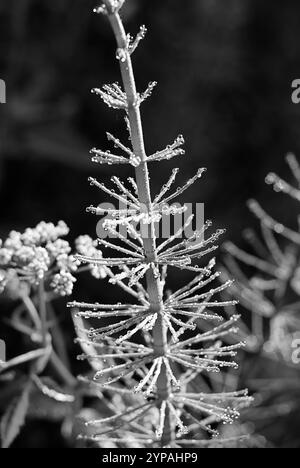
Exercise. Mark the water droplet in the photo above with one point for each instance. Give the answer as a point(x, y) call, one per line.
point(121, 55)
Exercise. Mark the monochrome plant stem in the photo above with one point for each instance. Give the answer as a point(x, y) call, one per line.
point(154, 289)
point(43, 312)
point(62, 371)
point(33, 313)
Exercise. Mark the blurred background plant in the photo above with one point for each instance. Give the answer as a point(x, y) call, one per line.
point(234, 103)
point(37, 267)
point(267, 286)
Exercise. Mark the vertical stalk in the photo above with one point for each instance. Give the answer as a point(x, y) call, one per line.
point(144, 192)
point(43, 312)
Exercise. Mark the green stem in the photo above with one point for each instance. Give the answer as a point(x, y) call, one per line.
point(160, 342)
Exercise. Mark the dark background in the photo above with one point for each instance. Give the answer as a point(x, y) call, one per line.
point(224, 69)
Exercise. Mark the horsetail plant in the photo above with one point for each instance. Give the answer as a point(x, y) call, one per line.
point(267, 285)
point(271, 292)
point(153, 349)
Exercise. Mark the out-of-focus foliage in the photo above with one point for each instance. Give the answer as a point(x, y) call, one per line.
point(267, 285)
point(37, 267)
